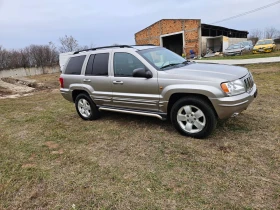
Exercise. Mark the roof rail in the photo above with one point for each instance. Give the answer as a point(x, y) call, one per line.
point(97, 48)
point(143, 45)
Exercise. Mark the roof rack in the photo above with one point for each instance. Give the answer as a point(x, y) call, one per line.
point(112, 46)
point(97, 48)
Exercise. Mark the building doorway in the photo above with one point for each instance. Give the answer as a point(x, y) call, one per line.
point(173, 42)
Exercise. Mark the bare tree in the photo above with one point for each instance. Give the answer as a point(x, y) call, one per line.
point(4, 58)
point(271, 33)
point(256, 33)
point(38, 55)
point(68, 44)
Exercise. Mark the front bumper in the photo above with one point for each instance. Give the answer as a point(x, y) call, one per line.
point(268, 50)
point(227, 106)
point(231, 53)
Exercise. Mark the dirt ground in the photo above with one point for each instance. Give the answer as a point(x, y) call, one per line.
point(51, 159)
point(22, 86)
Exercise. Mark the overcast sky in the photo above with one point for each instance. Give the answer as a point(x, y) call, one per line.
point(105, 22)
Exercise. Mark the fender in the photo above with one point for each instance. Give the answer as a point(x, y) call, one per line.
point(206, 90)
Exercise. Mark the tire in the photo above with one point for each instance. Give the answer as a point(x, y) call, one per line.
point(86, 108)
point(200, 118)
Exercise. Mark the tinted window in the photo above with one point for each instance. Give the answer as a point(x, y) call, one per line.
point(100, 64)
point(125, 63)
point(75, 65)
point(89, 65)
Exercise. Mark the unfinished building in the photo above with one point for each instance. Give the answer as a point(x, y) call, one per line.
point(183, 35)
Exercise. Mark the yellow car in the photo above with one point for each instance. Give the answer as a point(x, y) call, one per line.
point(266, 45)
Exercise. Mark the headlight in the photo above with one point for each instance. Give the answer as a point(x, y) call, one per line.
point(233, 88)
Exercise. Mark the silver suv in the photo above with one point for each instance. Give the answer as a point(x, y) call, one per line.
point(153, 81)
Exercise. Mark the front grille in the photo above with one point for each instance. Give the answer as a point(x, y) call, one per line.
point(249, 82)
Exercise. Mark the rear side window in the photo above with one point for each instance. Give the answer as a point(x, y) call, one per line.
point(89, 65)
point(98, 65)
point(75, 65)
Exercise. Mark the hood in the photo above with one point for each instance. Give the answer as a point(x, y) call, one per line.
point(208, 72)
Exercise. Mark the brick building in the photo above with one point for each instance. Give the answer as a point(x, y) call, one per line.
point(183, 35)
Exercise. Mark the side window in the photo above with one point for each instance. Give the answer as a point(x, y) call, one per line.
point(100, 64)
point(75, 65)
point(125, 63)
point(89, 65)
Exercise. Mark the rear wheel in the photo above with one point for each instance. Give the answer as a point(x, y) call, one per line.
point(193, 117)
point(86, 108)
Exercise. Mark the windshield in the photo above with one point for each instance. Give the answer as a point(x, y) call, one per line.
point(246, 43)
point(263, 42)
point(162, 58)
point(235, 46)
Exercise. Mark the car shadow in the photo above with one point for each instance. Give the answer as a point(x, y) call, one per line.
point(142, 121)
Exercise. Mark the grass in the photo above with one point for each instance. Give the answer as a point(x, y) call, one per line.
point(51, 159)
point(246, 56)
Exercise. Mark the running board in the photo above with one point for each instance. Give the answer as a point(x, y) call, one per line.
point(133, 112)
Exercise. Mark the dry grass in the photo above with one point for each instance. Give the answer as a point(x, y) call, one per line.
point(49, 80)
point(51, 159)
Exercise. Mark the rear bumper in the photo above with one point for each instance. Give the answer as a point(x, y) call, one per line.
point(67, 94)
point(227, 106)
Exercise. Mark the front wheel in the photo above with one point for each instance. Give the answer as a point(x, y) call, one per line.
point(193, 117)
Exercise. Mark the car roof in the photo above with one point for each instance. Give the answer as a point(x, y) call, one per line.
point(135, 47)
point(144, 47)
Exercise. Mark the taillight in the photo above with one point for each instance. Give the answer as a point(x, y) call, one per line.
point(61, 82)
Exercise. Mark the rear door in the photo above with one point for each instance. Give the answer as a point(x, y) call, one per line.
point(131, 92)
point(96, 77)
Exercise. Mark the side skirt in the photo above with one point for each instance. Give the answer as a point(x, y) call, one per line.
point(159, 115)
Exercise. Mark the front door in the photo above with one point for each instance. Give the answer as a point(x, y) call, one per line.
point(133, 92)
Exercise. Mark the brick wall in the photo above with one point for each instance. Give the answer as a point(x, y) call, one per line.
point(191, 28)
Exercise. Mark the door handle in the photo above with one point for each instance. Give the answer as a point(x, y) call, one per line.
point(86, 80)
point(118, 82)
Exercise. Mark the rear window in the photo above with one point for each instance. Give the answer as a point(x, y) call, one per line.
point(75, 65)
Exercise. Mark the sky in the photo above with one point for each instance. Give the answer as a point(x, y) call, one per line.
point(106, 22)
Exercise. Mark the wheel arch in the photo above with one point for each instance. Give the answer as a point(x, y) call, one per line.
point(77, 92)
point(176, 96)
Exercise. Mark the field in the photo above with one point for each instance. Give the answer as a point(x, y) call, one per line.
point(246, 56)
point(51, 159)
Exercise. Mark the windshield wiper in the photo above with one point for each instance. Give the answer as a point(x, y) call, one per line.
point(168, 65)
point(186, 62)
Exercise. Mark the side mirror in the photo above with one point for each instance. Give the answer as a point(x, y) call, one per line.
point(141, 72)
